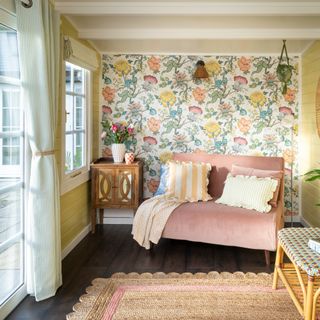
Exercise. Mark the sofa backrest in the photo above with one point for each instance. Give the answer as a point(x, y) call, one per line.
point(222, 165)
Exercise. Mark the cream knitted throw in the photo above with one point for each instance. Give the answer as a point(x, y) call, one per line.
point(151, 218)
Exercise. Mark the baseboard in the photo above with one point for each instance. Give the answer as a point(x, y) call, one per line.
point(117, 220)
point(75, 241)
point(294, 219)
point(305, 223)
point(118, 216)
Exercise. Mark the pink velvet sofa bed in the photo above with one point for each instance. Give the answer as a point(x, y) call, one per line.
point(214, 223)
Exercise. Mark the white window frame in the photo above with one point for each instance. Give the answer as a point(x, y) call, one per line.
point(71, 180)
point(8, 19)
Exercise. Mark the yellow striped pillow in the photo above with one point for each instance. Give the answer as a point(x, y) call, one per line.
point(188, 181)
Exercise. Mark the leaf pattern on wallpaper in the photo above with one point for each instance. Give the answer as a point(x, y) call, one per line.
point(238, 110)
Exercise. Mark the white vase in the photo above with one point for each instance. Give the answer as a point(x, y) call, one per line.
point(118, 151)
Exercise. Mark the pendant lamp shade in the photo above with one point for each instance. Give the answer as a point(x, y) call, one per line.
point(201, 72)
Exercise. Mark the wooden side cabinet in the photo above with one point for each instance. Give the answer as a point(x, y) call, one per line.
point(115, 185)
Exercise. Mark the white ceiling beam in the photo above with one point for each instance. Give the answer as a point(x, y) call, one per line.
point(184, 33)
point(273, 8)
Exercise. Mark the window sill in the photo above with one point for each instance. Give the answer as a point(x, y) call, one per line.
point(68, 183)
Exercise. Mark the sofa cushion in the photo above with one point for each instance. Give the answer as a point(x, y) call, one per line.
point(248, 192)
point(246, 171)
point(188, 181)
point(215, 223)
point(164, 169)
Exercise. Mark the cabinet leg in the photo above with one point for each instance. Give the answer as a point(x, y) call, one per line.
point(93, 220)
point(101, 212)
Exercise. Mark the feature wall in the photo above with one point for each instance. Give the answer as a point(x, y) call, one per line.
point(239, 110)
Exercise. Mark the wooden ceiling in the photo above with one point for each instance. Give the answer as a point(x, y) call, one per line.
point(195, 27)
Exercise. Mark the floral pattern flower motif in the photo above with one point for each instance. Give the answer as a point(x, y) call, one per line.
point(122, 67)
point(106, 109)
point(199, 94)
point(195, 110)
point(150, 79)
point(244, 64)
point(212, 128)
point(213, 67)
point(108, 93)
point(154, 63)
point(286, 110)
point(167, 98)
point(153, 124)
point(258, 99)
point(240, 140)
point(150, 140)
point(244, 125)
point(290, 96)
point(241, 80)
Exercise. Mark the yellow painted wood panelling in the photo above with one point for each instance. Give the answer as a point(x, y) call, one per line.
point(75, 205)
point(309, 139)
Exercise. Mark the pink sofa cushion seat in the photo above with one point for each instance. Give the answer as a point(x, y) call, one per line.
point(211, 222)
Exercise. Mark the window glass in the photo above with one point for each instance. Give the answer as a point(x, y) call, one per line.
point(75, 122)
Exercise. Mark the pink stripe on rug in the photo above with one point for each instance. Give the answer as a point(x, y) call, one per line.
point(117, 296)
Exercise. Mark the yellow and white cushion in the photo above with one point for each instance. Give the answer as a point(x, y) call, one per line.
point(188, 181)
point(248, 192)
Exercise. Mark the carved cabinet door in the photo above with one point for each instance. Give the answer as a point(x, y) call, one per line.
point(105, 186)
point(124, 190)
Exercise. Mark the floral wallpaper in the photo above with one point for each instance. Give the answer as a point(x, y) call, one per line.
point(239, 110)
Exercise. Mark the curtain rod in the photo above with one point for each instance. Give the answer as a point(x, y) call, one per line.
point(27, 3)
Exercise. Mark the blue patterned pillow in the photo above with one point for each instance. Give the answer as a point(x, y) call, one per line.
point(164, 170)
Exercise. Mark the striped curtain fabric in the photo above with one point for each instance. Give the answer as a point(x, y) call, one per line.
point(188, 181)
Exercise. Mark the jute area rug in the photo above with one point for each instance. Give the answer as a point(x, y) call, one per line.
point(173, 296)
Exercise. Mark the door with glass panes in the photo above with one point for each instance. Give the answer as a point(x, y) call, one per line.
point(12, 271)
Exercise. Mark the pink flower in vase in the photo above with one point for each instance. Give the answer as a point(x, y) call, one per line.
point(130, 130)
point(114, 128)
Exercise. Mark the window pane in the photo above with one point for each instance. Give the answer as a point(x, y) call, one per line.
point(78, 76)
point(69, 112)
point(68, 77)
point(9, 60)
point(10, 208)
point(11, 269)
point(11, 153)
point(79, 113)
point(79, 149)
point(69, 153)
point(11, 114)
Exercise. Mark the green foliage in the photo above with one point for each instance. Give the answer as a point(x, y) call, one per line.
point(115, 132)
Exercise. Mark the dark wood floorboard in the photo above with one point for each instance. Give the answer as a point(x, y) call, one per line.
point(112, 250)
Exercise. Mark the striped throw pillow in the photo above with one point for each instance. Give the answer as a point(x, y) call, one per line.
point(188, 181)
point(248, 192)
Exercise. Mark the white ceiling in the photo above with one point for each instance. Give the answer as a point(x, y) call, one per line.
point(195, 27)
